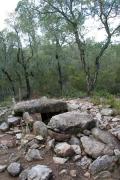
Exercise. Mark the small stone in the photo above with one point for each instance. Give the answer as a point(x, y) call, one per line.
point(74, 141)
point(3, 149)
point(116, 119)
point(107, 112)
point(2, 168)
point(76, 149)
point(103, 176)
point(117, 152)
point(72, 107)
point(27, 118)
point(39, 172)
point(39, 138)
point(58, 136)
point(76, 158)
point(29, 137)
point(84, 162)
point(87, 175)
point(24, 174)
point(86, 132)
point(98, 116)
point(51, 143)
point(8, 140)
point(14, 157)
point(33, 154)
point(73, 173)
point(14, 169)
point(13, 121)
point(4, 127)
point(39, 128)
point(64, 171)
point(18, 136)
point(64, 150)
point(34, 146)
point(59, 160)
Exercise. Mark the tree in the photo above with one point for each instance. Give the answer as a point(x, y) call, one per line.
point(23, 56)
point(55, 32)
point(5, 50)
point(74, 13)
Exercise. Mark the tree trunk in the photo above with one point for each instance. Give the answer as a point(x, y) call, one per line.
point(28, 87)
point(60, 81)
point(10, 80)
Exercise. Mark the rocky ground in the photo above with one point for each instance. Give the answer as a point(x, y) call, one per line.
point(48, 139)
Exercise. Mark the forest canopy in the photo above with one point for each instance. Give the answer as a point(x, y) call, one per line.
point(46, 49)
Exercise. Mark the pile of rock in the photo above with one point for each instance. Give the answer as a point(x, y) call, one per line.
point(87, 135)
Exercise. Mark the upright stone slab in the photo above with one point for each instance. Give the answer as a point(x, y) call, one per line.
point(74, 122)
point(42, 105)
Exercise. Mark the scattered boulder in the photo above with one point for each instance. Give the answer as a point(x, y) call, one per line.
point(74, 122)
point(39, 172)
point(106, 137)
point(42, 105)
point(64, 150)
point(14, 169)
point(95, 148)
point(102, 164)
point(33, 154)
point(39, 128)
point(4, 127)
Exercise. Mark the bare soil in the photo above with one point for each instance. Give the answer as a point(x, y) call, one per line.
point(47, 160)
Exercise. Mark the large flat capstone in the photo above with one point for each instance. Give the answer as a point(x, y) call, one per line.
point(74, 121)
point(42, 105)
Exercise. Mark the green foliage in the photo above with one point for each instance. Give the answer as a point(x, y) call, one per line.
point(39, 32)
point(105, 98)
point(7, 102)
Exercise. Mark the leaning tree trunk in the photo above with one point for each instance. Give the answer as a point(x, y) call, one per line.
point(81, 48)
